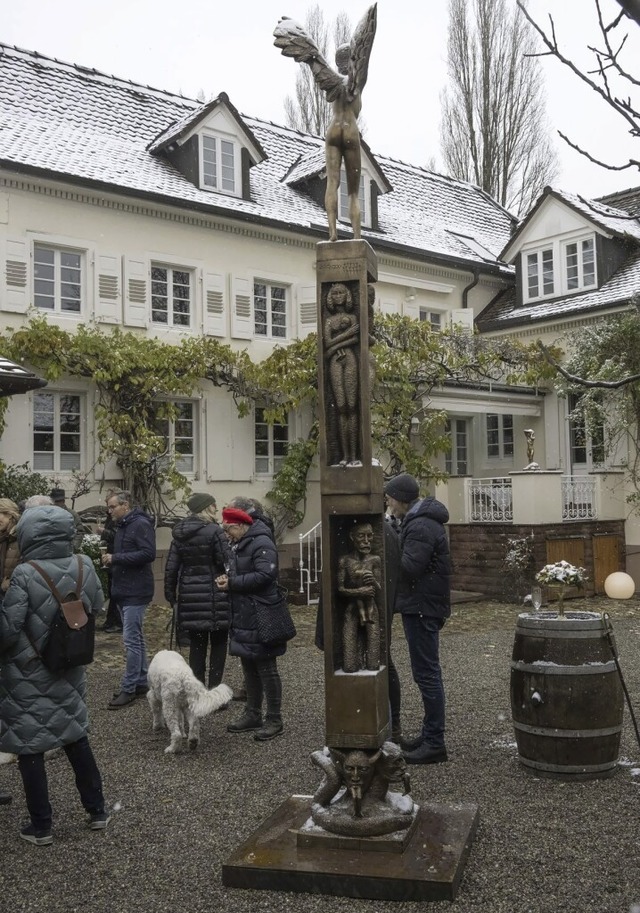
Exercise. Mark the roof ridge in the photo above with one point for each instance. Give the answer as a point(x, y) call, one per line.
point(92, 71)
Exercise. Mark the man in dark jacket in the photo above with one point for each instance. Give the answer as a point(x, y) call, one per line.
point(423, 599)
point(132, 585)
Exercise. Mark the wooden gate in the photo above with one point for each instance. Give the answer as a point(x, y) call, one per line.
point(606, 559)
point(570, 549)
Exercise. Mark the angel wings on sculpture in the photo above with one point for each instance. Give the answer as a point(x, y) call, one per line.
point(344, 91)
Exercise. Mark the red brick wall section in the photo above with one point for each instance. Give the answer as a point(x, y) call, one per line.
point(478, 553)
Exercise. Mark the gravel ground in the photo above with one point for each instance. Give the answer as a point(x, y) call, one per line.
point(542, 846)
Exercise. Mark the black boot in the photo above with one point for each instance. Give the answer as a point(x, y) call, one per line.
point(5, 798)
point(271, 728)
point(248, 722)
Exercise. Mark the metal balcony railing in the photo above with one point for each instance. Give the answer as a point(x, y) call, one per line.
point(490, 500)
point(579, 498)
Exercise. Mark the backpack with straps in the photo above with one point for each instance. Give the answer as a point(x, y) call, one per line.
point(71, 639)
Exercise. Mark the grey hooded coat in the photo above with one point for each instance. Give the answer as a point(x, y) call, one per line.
point(39, 709)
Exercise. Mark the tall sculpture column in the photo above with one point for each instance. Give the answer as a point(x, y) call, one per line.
point(356, 681)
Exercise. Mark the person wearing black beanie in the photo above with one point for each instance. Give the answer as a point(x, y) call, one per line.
point(424, 600)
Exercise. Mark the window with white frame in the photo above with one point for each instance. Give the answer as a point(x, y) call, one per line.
point(171, 296)
point(586, 443)
point(499, 436)
point(179, 433)
point(457, 458)
point(559, 268)
point(580, 263)
point(434, 318)
point(540, 279)
point(343, 205)
point(57, 432)
point(270, 310)
point(218, 163)
point(271, 444)
point(57, 279)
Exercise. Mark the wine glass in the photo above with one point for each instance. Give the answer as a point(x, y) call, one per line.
point(536, 598)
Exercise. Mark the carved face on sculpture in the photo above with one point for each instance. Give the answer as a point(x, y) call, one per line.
point(362, 538)
point(339, 298)
point(357, 768)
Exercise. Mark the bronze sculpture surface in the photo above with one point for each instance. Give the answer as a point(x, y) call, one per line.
point(341, 333)
point(344, 90)
point(359, 581)
point(354, 798)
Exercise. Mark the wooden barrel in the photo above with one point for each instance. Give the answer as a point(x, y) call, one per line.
point(566, 696)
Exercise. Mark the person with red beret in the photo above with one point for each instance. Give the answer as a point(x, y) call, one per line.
point(252, 580)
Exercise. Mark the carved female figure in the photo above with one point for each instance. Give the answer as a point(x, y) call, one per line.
point(341, 333)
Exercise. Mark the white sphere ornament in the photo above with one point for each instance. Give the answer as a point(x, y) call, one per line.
point(619, 586)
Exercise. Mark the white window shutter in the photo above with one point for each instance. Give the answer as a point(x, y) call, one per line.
point(463, 317)
point(307, 310)
point(108, 288)
point(242, 309)
point(136, 292)
point(411, 309)
point(215, 310)
point(16, 283)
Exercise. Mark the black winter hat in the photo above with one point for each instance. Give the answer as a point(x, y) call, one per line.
point(57, 494)
point(199, 501)
point(403, 488)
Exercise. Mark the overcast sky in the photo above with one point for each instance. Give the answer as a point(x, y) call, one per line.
point(217, 46)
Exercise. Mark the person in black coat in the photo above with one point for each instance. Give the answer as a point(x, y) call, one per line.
point(252, 583)
point(198, 554)
point(423, 600)
point(113, 621)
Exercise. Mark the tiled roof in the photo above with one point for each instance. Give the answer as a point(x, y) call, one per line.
point(612, 220)
point(86, 127)
point(629, 200)
point(503, 314)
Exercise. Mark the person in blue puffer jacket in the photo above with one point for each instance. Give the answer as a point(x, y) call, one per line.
point(423, 599)
point(41, 710)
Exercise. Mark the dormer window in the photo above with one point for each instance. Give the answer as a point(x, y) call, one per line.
point(559, 268)
point(219, 164)
point(580, 264)
point(540, 273)
point(344, 200)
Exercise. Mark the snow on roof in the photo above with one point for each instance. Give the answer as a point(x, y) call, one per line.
point(86, 127)
point(503, 313)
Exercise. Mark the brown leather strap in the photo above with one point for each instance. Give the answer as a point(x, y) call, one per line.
point(73, 610)
point(51, 584)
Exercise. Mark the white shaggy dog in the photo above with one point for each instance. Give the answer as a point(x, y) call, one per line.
point(177, 697)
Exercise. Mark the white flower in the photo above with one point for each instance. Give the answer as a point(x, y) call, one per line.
point(562, 574)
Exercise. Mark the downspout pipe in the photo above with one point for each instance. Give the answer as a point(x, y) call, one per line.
point(465, 291)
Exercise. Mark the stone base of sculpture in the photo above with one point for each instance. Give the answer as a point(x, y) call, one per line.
point(428, 867)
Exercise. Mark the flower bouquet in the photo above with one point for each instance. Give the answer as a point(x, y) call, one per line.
point(91, 546)
point(559, 576)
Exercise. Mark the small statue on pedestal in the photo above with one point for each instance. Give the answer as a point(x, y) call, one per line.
point(530, 435)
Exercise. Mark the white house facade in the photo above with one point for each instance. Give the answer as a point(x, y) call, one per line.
point(126, 206)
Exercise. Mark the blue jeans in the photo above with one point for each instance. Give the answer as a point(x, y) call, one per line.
point(423, 640)
point(135, 672)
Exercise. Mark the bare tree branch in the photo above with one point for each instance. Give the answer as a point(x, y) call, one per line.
point(583, 382)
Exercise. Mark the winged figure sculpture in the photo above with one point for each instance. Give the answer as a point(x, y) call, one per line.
point(343, 87)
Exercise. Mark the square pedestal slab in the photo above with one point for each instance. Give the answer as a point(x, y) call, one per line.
point(430, 868)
